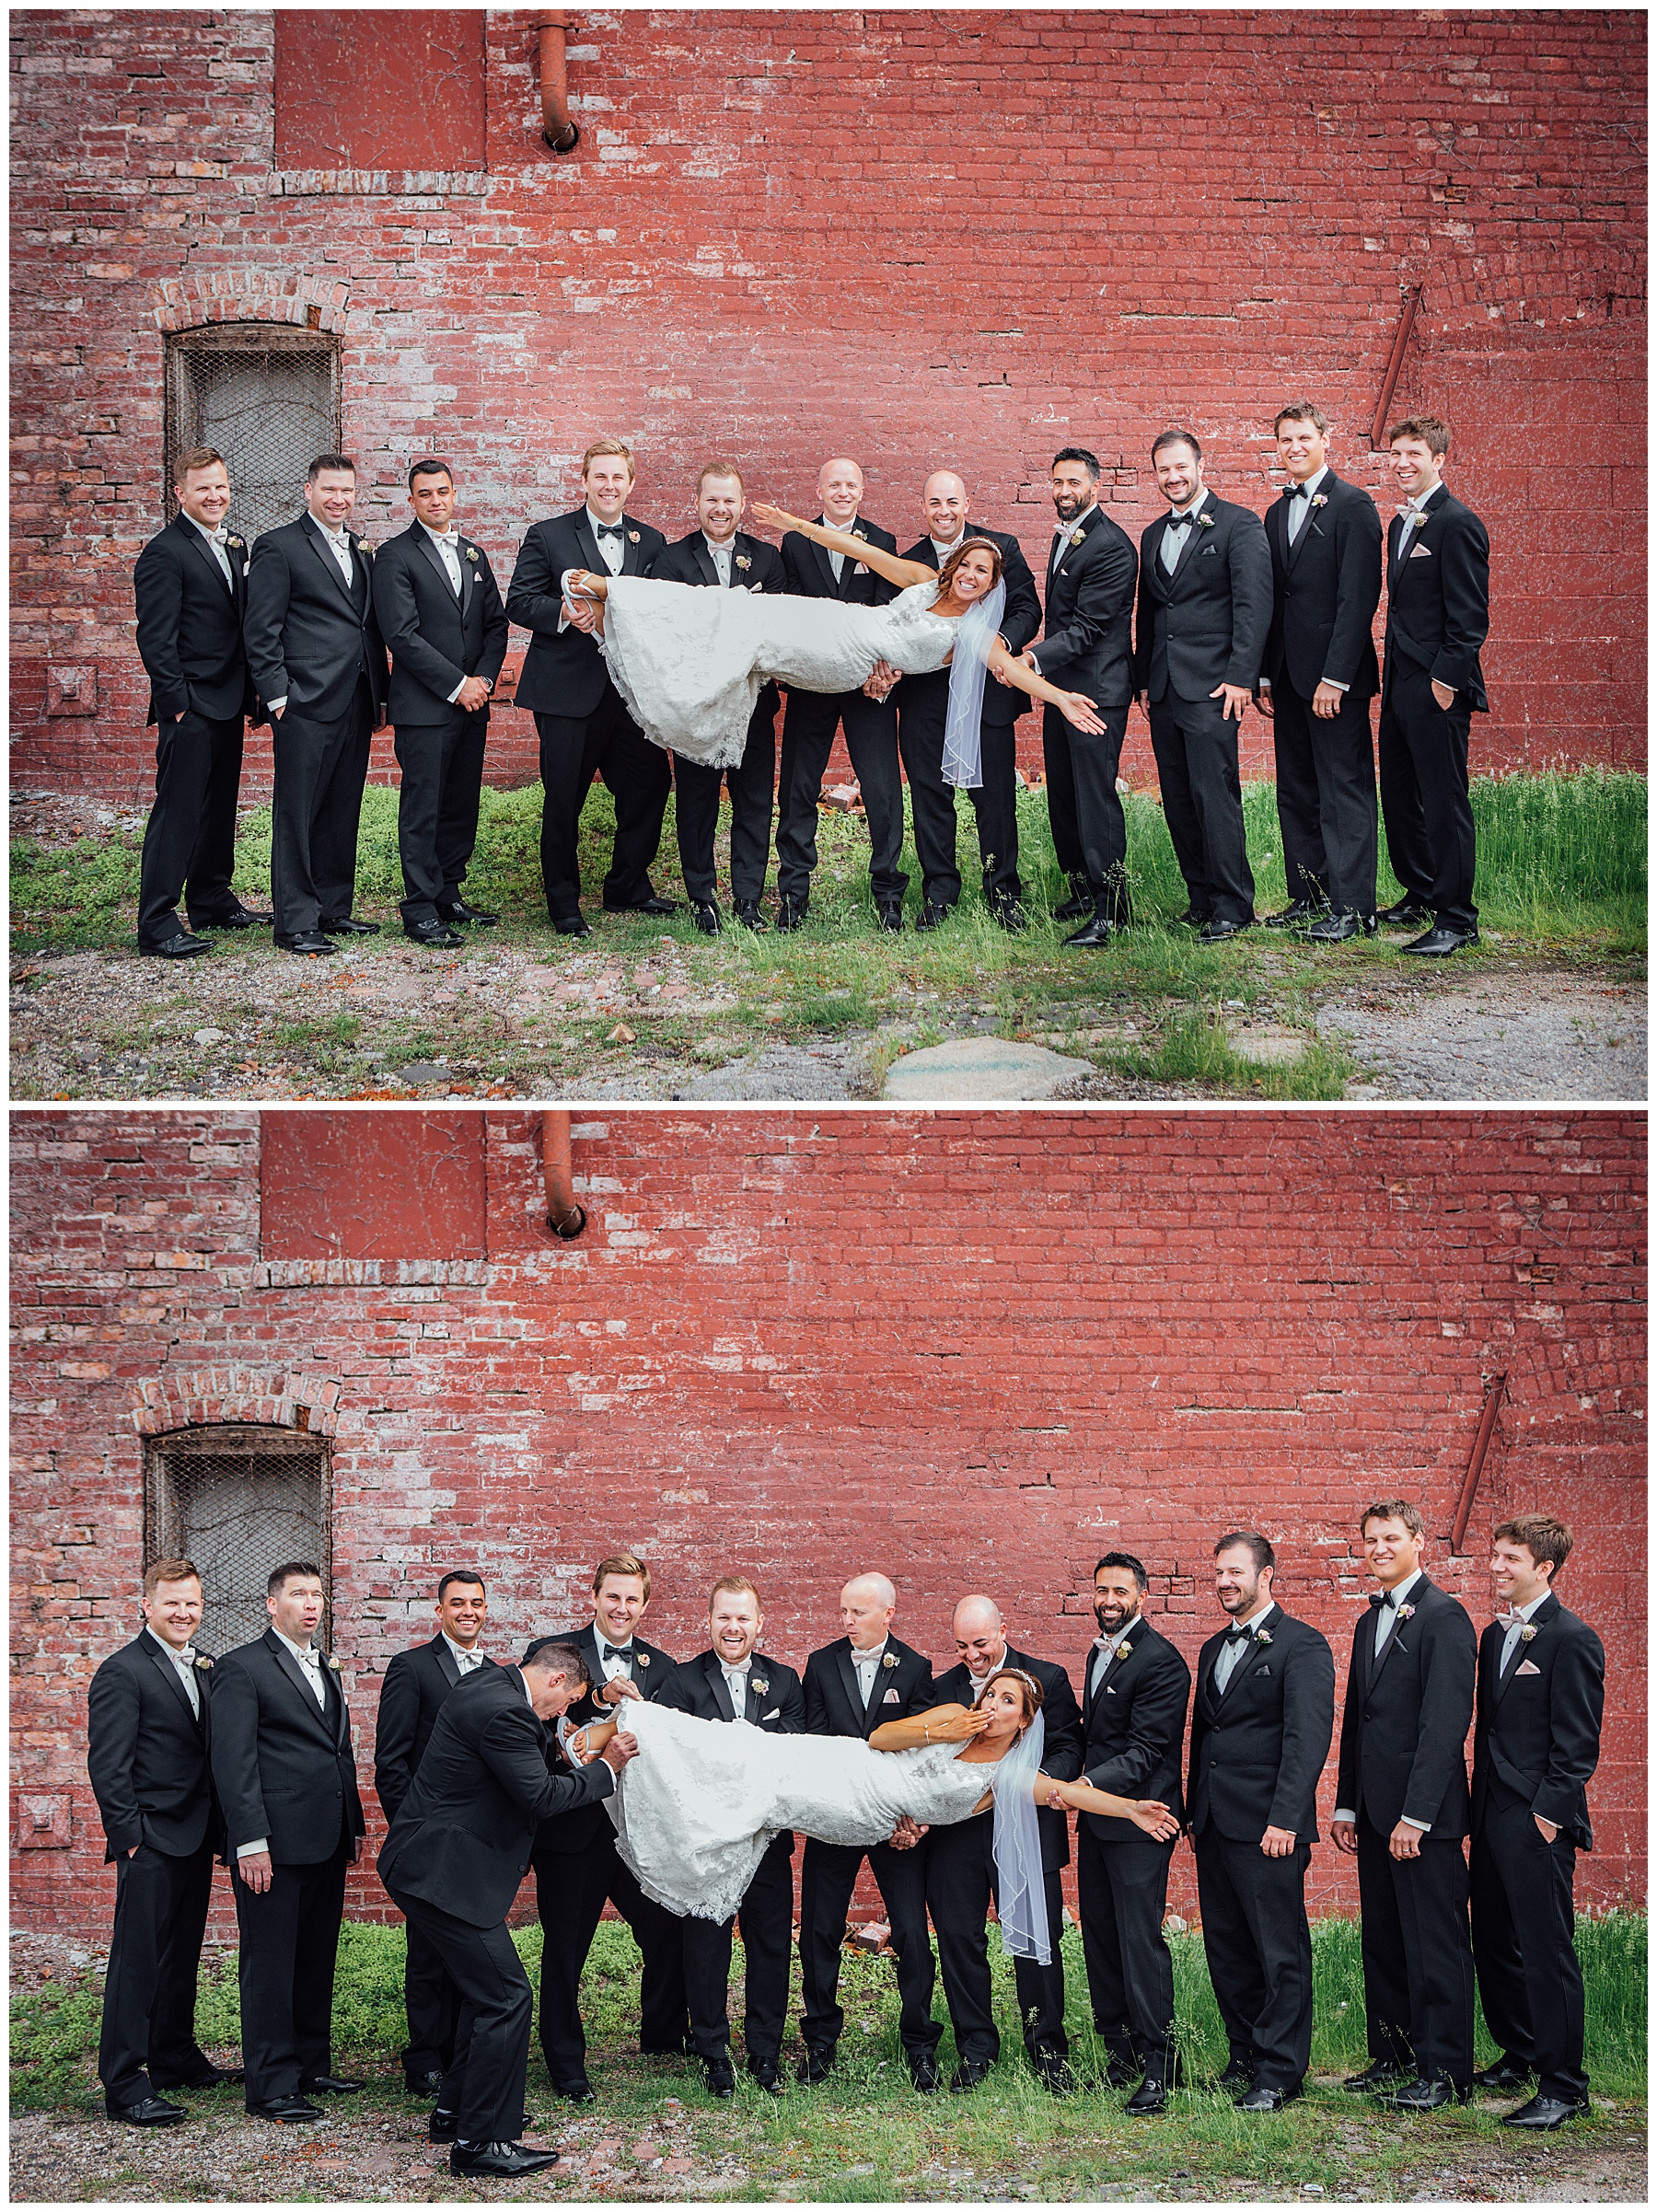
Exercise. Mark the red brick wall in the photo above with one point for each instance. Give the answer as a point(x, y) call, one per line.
point(958, 239)
point(975, 1351)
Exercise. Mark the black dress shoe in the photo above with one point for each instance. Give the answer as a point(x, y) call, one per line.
point(573, 925)
point(181, 947)
point(149, 2112)
point(721, 2081)
point(1151, 2096)
point(931, 917)
point(1406, 912)
point(348, 926)
point(1053, 2072)
point(1508, 2073)
point(1545, 2112)
point(1100, 929)
point(924, 2074)
point(652, 905)
point(443, 2127)
point(1262, 2100)
point(1429, 2093)
point(968, 2076)
point(1340, 929)
point(1215, 930)
point(1438, 944)
point(436, 936)
point(888, 914)
point(791, 913)
point(210, 2077)
point(244, 918)
point(505, 2162)
point(311, 943)
point(763, 2073)
point(461, 912)
point(1007, 914)
point(1078, 904)
point(330, 2085)
point(577, 2092)
point(706, 916)
point(423, 2085)
point(814, 2066)
point(1296, 914)
point(1192, 919)
point(1121, 2072)
point(289, 2111)
point(1379, 2075)
point(1238, 2075)
point(747, 912)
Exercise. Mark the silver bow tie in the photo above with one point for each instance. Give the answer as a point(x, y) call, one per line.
point(221, 535)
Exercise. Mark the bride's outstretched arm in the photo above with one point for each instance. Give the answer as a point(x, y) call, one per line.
point(1149, 1814)
point(940, 1724)
point(1075, 706)
point(895, 571)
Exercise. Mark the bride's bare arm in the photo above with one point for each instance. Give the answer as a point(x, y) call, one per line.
point(1075, 706)
point(1148, 1814)
point(940, 1724)
point(895, 571)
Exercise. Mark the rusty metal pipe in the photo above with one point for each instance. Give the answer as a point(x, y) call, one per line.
point(564, 1215)
point(1412, 300)
point(557, 129)
point(1481, 1444)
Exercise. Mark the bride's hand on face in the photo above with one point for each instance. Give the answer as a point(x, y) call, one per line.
point(961, 1727)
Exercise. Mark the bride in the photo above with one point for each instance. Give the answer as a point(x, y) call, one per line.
point(691, 663)
point(695, 1811)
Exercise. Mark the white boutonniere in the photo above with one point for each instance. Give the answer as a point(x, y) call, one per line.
point(230, 540)
point(890, 1660)
point(1123, 1649)
point(1262, 1636)
point(743, 560)
point(757, 1685)
point(1076, 537)
point(471, 552)
point(1205, 522)
point(1318, 500)
point(363, 546)
point(1406, 1613)
point(332, 1664)
point(202, 1661)
point(633, 538)
point(643, 1657)
point(1527, 1633)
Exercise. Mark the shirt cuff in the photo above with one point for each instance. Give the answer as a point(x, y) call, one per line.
point(1335, 684)
point(1345, 1814)
point(1264, 684)
point(1424, 1825)
point(454, 694)
point(247, 1850)
point(276, 706)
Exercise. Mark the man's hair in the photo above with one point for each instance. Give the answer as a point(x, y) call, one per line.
point(548, 1655)
point(431, 466)
point(459, 1574)
point(1301, 410)
point(1258, 1546)
point(1436, 434)
point(737, 1584)
point(1124, 1559)
point(197, 457)
point(290, 1571)
point(946, 575)
point(328, 460)
point(622, 1562)
point(1175, 437)
point(186, 1570)
point(719, 469)
point(601, 447)
point(1031, 1689)
point(1090, 461)
point(1393, 1509)
point(1548, 1541)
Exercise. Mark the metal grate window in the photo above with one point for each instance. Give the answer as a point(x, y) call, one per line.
point(268, 397)
point(237, 1500)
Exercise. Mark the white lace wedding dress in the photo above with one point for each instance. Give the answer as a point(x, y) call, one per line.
point(691, 663)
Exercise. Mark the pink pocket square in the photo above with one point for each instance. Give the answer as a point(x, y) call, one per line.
point(1421, 552)
point(891, 1697)
point(1528, 1667)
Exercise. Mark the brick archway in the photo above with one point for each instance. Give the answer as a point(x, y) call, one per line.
point(311, 302)
point(270, 1398)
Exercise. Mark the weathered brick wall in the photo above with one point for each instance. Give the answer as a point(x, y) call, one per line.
point(960, 239)
point(975, 1351)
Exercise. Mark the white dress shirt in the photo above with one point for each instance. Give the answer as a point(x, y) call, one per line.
point(449, 545)
point(1105, 1650)
point(216, 540)
point(1173, 537)
point(1516, 1620)
point(943, 548)
point(467, 1662)
point(1230, 1655)
point(1385, 1620)
point(1300, 509)
point(868, 1667)
point(722, 556)
point(836, 561)
point(183, 1665)
point(736, 1683)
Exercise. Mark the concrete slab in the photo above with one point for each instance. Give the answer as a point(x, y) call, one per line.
point(981, 1067)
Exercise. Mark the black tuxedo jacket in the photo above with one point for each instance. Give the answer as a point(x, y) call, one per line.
point(1087, 646)
point(435, 639)
point(1021, 618)
point(1438, 596)
point(1257, 1751)
point(698, 1686)
point(1405, 1725)
point(1206, 624)
point(688, 561)
point(309, 636)
point(1325, 588)
point(190, 625)
point(566, 674)
point(462, 1837)
point(810, 571)
point(650, 1669)
point(833, 1706)
point(1537, 1735)
point(1061, 1752)
point(416, 1684)
point(282, 1765)
point(146, 1753)
point(1133, 1727)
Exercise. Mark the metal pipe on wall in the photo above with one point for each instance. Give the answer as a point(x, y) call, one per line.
point(564, 1215)
point(557, 129)
point(1412, 300)
point(1481, 1444)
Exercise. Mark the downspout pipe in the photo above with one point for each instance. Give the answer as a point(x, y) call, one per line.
point(557, 129)
point(1412, 300)
point(1481, 1444)
point(564, 1217)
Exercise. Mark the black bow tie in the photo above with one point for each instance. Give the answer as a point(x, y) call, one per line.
point(1180, 522)
point(1296, 491)
point(608, 529)
point(1238, 1636)
point(1383, 1597)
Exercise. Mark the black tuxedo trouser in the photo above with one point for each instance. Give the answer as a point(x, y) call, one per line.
point(485, 2083)
point(1424, 797)
point(321, 765)
point(570, 1892)
point(442, 766)
point(1530, 1981)
point(573, 750)
point(1090, 836)
point(1418, 1963)
point(290, 1936)
point(1195, 748)
point(1259, 1954)
point(190, 838)
point(148, 2039)
point(827, 1878)
point(433, 2004)
point(1122, 1889)
point(766, 1914)
point(932, 802)
point(752, 784)
point(808, 727)
point(960, 1882)
point(1326, 799)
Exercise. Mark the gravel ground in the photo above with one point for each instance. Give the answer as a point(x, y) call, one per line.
point(1495, 1035)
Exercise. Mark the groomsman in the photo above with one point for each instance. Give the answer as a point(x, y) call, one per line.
point(1438, 615)
point(733, 1679)
point(417, 1683)
point(440, 614)
point(1204, 610)
point(1260, 1731)
point(1535, 1744)
point(1090, 574)
point(146, 1759)
point(812, 718)
point(585, 729)
point(190, 590)
point(960, 1868)
point(285, 1775)
point(853, 1688)
point(1402, 1808)
point(577, 1864)
point(719, 554)
point(1317, 681)
point(923, 710)
point(1133, 1716)
point(318, 663)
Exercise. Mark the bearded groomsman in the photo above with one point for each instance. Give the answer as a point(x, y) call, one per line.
point(585, 729)
point(146, 1759)
point(416, 1685)
point(812, 718)
point(1133, 1716)
point(191, 591)
point(853, 1688)
point(1438, 615)
point(1317, 681)
point(733, 1679)
point(1204, 610)
point(716, 553)
point(1260, 1731)
point(923, 710)
point(440, 614)
point(285, 1775)
point(1402, 1808)
point(1536, 1745)
point(960, 1868)
point(319, 664)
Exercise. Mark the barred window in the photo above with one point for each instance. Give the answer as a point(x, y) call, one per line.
point(267, 396)
point(237, 1499)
